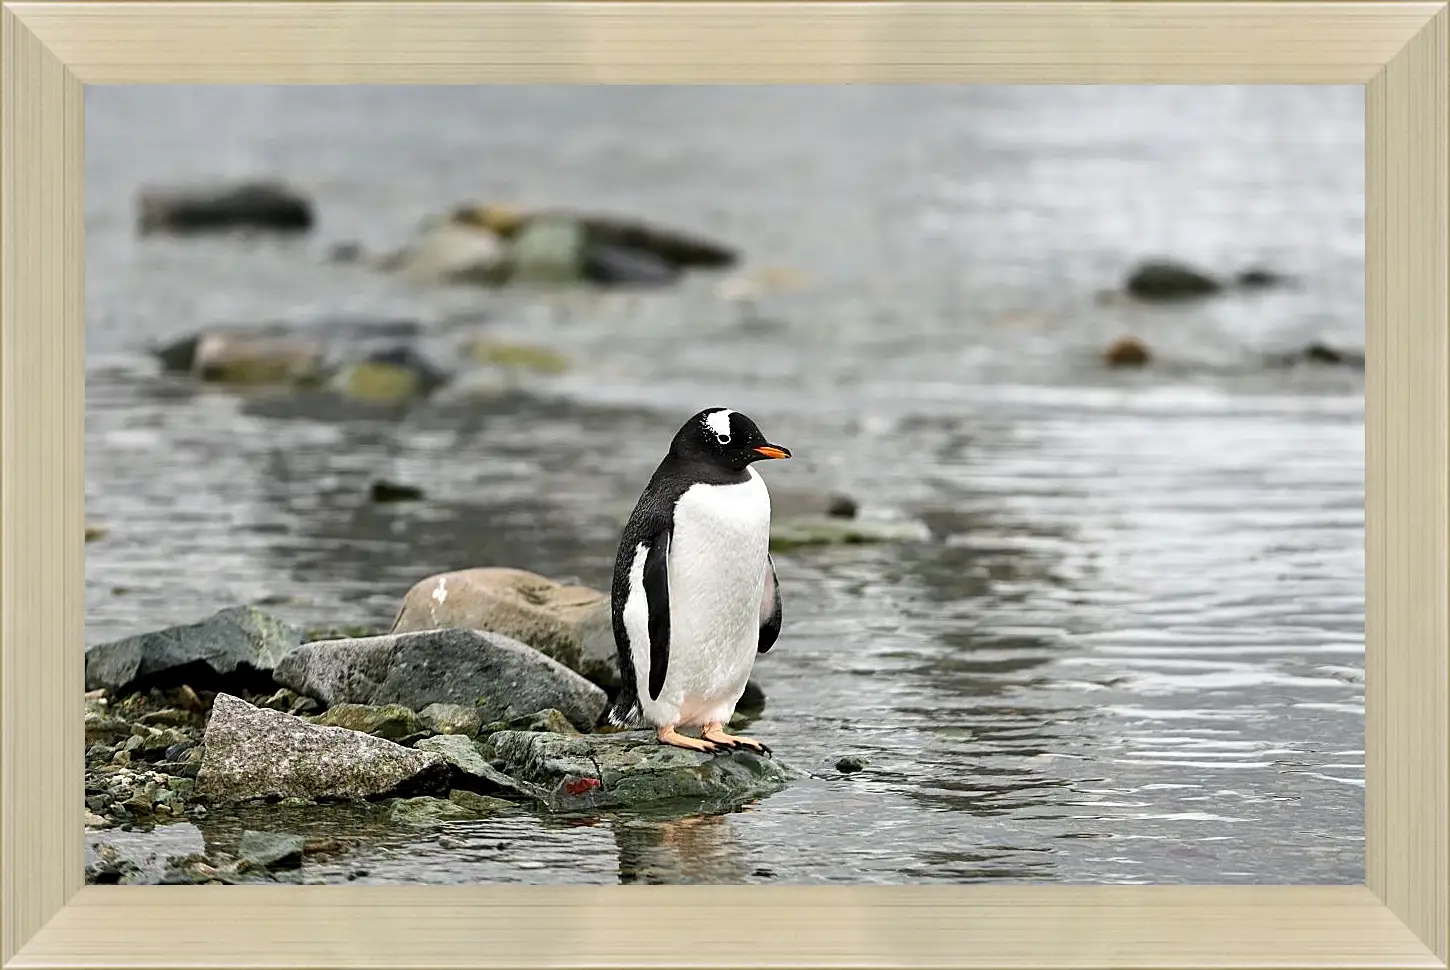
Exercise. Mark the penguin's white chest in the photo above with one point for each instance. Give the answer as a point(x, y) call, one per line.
point(717, 565)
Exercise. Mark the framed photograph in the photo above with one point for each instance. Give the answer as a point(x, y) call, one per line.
point(724, 484)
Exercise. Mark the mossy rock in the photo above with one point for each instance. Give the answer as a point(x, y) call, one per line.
point(540, 360)
point(808, 531)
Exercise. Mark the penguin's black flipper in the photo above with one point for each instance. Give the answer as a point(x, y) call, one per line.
point(769, 608)
point(657, 598)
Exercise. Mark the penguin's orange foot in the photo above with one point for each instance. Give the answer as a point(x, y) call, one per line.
point(670, 736)
point(715, 733)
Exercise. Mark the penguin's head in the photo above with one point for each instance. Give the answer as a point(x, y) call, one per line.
point(724, 438)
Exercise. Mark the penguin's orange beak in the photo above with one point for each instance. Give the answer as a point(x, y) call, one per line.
point(773, 451)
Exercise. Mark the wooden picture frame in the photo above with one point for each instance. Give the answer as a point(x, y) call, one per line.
point(1400, 917)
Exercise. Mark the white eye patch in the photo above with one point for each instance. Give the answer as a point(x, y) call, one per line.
point(719, 422)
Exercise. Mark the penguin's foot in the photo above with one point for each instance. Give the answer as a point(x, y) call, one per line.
point(715, 733)
point(668, 735)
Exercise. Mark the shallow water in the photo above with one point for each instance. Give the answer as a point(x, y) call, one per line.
point(1133, 650)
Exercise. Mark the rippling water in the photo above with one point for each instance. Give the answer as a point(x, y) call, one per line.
point(1133, 650)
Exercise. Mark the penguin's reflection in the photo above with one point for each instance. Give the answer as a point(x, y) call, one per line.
point(697, 849)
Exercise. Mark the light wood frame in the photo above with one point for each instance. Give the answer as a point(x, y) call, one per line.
point(1400, 918)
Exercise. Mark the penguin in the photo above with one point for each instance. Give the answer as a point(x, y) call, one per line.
point(695, 598)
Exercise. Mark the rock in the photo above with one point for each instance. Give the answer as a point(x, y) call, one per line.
point(614, 265)
point(261, 205)
point(1319, 354)
point(788, 503)
point(548, 249)
point(392, 722)
point(1258, 278)
point(100, 728)
point(499, 676)
point(347, 251)
point(96, 532)
point(798, 533)
point(570, 624)
point(634, 770)
point(851, 763)
point(426, 812)
point(451, 719)
point(288, 702)
point(472, 771)
point(516, 356)
point(1127, 352)
point(255, 753)
point(385, 491)
point(626, 249)
point(256, 360)
point(271, 850)
point(392, 376)
point(94, 821)
point(235, 649)
point(452, 253)
point(549, 721)
point(1163, 280)
point(477, 804)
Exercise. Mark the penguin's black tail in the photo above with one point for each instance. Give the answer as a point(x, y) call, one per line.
point(624, 714)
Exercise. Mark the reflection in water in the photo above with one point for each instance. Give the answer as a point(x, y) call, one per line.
point(1132, 650)
point(701, 849)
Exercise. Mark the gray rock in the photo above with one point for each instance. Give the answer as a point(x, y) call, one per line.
point(587, 772)
point(268, 206)
point(1163, 280)
point(451, 719)
point(498, 676)
point(472, 772)
point(271, 850)
point(234, 650)
point(251, 752)
point(570, 624)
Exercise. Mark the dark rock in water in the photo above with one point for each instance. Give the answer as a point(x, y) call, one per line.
point(271, 850)
point(385, 491)
point(634, 770)
point(851, 764)
point(611, 265)
point(681, 249)
point(263, 205)
point(472, 771)
point(235, 650)
point(345, 252)
point(1258, 278)
point(392, 722)
point(569, 624)
point(752, 701)
point(1319, 354)
point(1161, 280)
point(1127, 352)
point(499, 676)
point(256, 753)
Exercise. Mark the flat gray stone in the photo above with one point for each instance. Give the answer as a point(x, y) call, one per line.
point(251, 752)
